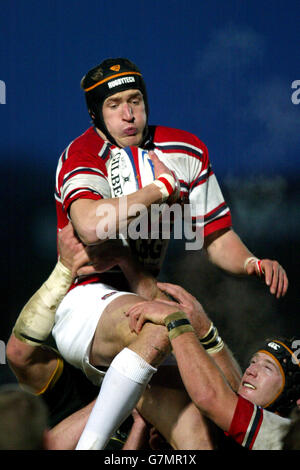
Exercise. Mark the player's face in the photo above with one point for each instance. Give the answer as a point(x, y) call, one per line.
point(125, 117)
point(262, 380)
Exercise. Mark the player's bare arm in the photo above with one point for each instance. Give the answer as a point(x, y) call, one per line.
point(226, 250)
point(96, 221)
point(31, 363)
point(202, 326)
point(203, 380)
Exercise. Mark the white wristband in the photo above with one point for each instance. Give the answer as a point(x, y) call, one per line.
point(250, 260)
point(257, 261)
point(166, 183)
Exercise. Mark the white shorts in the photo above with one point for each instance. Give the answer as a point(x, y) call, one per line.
point(76, 321)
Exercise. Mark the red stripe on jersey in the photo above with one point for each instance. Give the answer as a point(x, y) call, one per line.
point(135, 154)
point(256, 429)
point(245, 422)
point(218, 224)
point(216, 209)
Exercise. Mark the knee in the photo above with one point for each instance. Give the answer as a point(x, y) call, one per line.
point(154, 343)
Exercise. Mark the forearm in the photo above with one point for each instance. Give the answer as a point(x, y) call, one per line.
point(228, 252)
point(141, 282)
point(95, 221)
point(204, 381)
point(221, 354)
point(137, 438)
point(36, 319)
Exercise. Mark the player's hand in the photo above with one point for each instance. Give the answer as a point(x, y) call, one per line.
point(159, 166)
point(102, 257)
point(159, 169)
point(190, 305)
point(71, 250)
point(274, 274)
point(154, 311)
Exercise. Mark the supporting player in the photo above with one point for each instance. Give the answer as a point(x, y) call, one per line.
point(64, 389)
point(256, 416)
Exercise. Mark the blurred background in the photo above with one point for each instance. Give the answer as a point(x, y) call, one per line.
point(222, 70)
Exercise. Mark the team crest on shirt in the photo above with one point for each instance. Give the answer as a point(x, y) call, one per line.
point(116, 68)
point(108, 295)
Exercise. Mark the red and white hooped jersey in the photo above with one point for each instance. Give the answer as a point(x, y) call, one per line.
point(82, 173)
point(257, 429)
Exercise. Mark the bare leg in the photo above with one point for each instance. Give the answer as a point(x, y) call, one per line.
point(165, 403)
point(167, 406)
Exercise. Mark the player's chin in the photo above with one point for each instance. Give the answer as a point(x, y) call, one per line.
point(131, 140)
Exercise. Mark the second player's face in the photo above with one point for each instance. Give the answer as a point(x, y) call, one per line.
point(125, 117)
point(262, 380)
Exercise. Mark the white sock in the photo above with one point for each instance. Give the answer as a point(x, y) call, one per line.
point(121, 389)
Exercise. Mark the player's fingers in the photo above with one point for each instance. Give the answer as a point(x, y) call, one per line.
point(275, 278)
point(139, 323)
point(280, 283)
point(265, 267)
point(84, 270)
point(285, 283)
point(176, 291)
point(133, 308)
point(169, 302)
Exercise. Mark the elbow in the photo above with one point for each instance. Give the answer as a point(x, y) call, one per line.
point(205, 399)
point(87, 234)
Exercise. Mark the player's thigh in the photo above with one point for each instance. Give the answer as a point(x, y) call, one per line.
point(113, 333)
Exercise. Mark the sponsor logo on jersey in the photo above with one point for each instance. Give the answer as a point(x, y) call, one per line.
point(108, 295)
point(115, 175)
point(120, 81)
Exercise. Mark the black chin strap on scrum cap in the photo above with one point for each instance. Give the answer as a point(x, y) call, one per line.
point(106, 79)
point(284, 352)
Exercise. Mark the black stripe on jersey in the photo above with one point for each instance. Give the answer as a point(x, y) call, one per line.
point(202, 178)
point(84, 171)
point(105, 153)
point(71, 193)
point(183, 184)
point(215, 213)
point(185, 148)
point(56, 194)
point(64, 156)
point(253, 428)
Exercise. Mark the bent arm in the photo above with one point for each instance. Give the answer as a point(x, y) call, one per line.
point(227, 251)
point(95, 221)
point(204, 381)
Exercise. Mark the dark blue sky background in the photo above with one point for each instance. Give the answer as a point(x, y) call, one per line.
point(222, 70)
